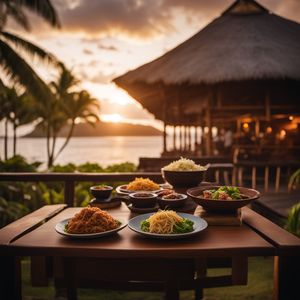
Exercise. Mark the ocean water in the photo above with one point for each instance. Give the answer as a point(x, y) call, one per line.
point(101, 150)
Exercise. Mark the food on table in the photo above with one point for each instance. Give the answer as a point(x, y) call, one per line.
point(142, 184)
point(164, 192)
point(91, 220)
point(224, 193)
point(184, 164)
point(172, 196)
point(102, 187)
point(167, 222)
point(143, 195)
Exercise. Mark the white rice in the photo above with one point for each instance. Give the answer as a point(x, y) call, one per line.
point(184, 164)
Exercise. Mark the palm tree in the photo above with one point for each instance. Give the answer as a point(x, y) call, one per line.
point(22, 112)
point(79, 106)
point(15, 67)
point(65, 108)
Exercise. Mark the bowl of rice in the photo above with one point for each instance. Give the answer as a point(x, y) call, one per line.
point(184, 173)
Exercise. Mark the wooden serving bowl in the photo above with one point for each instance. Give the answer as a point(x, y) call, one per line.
point(222, 205)
point(183, 178)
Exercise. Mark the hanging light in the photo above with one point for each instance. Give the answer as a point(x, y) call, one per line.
point(291, 118)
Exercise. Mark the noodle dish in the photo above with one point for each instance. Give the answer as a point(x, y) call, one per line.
point(167, 224)
point(89, 222)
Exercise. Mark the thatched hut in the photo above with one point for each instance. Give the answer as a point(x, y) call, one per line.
point(244, 63)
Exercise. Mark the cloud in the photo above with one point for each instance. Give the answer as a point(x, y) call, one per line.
point(142, 19)
point(137, 18)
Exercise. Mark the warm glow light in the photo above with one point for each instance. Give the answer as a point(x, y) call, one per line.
point(269, 129)
point(282, 134)
point(114, 118)
point(291, 118)
point(245, 125)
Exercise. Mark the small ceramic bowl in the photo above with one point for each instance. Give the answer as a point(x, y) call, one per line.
point(101, 191)
point(143, 199)
point(171, 201)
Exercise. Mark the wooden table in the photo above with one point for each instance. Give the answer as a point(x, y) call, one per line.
point(127, 258)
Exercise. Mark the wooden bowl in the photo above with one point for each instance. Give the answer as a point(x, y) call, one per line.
point(183, 178)
point(222, 205)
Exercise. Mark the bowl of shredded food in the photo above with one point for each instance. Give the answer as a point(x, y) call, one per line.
point(139, 184)
point(167, 224)
point(184, 173)
point(90, 222)
point(223, 198)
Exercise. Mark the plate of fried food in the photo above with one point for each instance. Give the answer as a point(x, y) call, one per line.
point(89, 223)
point(139, 184)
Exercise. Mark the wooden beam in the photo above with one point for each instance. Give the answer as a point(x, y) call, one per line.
point(208, 124)
point(267, 107)
point(174, 138)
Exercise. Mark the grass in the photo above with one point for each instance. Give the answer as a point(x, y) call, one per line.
point(259, 287)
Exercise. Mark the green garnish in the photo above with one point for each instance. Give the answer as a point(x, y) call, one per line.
point(184, 226)
point(231, 191)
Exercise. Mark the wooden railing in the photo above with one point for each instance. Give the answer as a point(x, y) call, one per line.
point(223, 173)
point(69, 179)
point(273, 175)
point(217, 173)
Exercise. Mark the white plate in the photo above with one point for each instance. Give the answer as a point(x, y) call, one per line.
point(199, 225)
point(60, 228)
point(121, 189)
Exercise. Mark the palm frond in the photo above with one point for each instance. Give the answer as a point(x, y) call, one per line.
point(20, 71)
point(29, 47)
point(43, 8)
point(14, 11)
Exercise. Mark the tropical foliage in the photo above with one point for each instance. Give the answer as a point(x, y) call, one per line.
point(293, 221)
point(20, 198)
point(65, 107)
point(14, 65)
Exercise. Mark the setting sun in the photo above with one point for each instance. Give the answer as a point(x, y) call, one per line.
point(114, 118)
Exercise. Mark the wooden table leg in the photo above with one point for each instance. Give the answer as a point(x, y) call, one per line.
point(171, 290)
point(69, 272)
point(10, 283)
point(286, 277)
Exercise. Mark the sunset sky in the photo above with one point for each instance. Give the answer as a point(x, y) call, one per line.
point(102, 39)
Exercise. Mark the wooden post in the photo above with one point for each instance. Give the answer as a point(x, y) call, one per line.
point(286, 277)
point(257, 128)
point(164, 120)
point(185, 138)
point(208, 123)
point(180, 137)
point(10, 283)
point(267, 107)
point(196, 139)
point(174, 137)
point(69, 192)
point(190, 138)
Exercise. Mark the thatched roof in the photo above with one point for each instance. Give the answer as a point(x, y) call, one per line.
point(245, 43)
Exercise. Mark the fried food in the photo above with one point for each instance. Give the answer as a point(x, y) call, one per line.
point(91, 220)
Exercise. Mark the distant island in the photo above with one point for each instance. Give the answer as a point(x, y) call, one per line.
point(102, 129)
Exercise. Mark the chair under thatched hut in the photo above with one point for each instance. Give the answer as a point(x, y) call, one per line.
point(245, 63)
